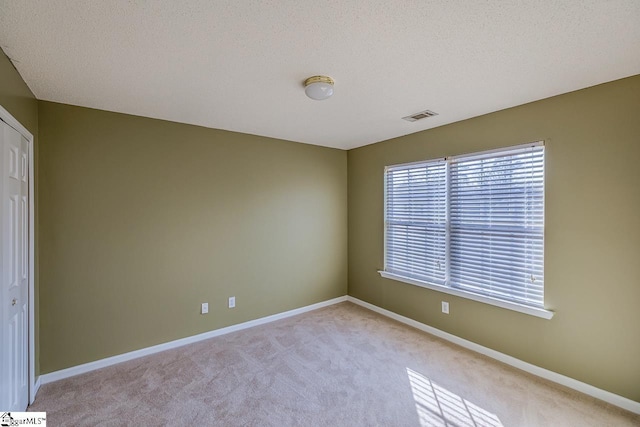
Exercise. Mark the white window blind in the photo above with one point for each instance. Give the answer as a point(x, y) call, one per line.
point(473, 223)
point(497, 224)
point(416, 221)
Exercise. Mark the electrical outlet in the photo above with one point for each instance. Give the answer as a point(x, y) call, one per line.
point(232, 302)
point(205, 308)
point(445, 307)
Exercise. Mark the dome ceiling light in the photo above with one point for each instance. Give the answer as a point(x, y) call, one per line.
point(319, 87)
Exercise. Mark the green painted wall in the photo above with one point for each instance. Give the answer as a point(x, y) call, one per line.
point(142, 220)
point(592, 234)
point(17, 99)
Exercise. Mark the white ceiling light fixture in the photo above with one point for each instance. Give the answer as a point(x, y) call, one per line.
point(319, 87)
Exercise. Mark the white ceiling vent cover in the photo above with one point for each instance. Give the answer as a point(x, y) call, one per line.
point(419, 116)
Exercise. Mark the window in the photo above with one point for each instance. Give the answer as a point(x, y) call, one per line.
point(470, 225)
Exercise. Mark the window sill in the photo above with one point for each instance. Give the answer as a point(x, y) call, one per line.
point(538, 312)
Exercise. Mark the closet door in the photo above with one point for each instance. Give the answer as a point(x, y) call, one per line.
point(14, 262)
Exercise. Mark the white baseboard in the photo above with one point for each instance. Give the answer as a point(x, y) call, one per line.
point(585, 388)
point(102, 363)
point(34, 390)
point(614, 399)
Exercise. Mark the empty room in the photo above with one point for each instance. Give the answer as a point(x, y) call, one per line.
point(297, 213)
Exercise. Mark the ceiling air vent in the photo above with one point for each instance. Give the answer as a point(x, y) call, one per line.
point(419, 116)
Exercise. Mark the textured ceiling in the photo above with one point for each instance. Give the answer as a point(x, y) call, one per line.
point(239, 64)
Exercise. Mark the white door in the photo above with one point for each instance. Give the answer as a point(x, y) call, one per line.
point(14, 264)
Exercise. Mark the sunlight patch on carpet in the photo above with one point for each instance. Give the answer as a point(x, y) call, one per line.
point(439, 407)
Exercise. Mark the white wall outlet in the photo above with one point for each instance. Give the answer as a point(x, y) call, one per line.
point(445, 307)
point(205, 308)
point(232, 302)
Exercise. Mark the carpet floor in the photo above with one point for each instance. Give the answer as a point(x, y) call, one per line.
point(338, 366)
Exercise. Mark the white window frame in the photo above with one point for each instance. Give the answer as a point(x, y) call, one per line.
point(446, 288)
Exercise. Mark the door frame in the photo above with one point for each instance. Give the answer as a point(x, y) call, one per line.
point(33, 382)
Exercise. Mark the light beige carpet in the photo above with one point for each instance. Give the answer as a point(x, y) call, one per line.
point(338, 366)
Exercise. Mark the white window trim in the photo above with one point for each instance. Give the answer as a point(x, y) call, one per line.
point(533, 311)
